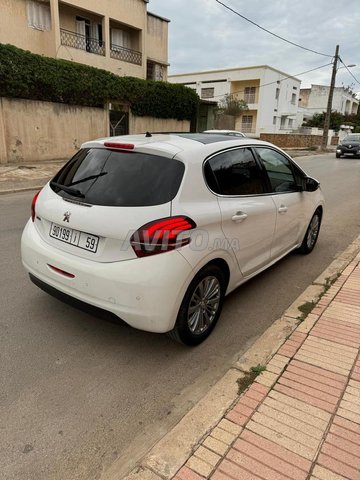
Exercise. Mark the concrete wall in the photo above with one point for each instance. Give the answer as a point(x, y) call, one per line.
point(33, 131)
point(288, 140)
point(157, 125)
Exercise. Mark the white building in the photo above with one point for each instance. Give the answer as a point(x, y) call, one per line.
point(271, 95)
point(314, 100)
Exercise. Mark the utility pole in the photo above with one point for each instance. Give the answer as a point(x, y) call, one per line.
point(330, 99)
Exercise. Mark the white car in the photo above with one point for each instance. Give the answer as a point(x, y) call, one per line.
point(158, 229)
point(232, 133)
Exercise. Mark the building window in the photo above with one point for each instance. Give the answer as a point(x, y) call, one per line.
point(207, 92)
point(294, 88)
point(283, 122)
point(249, 95)
point(291, 123)
point(90, 36)
point(293, 98)
point(274, 120)
point(246, 123)
point(38, 15)
point(277, 93)
point(120, 38)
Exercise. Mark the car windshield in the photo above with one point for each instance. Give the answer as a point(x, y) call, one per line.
point(99, 176)
point(352, 138)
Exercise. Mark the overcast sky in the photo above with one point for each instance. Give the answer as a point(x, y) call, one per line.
point(203, 35)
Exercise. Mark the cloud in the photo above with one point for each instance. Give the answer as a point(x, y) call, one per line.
point(203, 35)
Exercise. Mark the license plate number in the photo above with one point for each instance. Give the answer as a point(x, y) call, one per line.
point(83, 240)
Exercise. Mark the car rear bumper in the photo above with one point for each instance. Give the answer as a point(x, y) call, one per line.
point(146, 293)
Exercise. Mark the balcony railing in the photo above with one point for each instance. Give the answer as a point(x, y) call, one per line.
point(125, 54)
point(82, 42)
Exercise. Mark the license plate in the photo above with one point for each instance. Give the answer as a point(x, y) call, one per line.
point(83, 240)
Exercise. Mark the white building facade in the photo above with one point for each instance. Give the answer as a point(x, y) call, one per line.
point(314, 100)
point(271, 95)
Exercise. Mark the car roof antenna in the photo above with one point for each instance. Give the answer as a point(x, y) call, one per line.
point(148, 134)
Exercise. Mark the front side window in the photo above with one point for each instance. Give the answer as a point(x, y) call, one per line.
point(279, 170)
point(234, 172)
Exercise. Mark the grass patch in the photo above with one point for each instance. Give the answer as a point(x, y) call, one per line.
point(249, 377)
point(305, 309)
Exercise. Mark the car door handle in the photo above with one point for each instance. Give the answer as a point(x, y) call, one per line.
point(239, 217)
point(282, 209)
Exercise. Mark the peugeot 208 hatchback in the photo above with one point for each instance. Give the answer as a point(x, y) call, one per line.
point(158, 229)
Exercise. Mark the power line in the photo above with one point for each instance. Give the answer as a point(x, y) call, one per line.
point(276, 81)
point(271, 33)
point(356, 80)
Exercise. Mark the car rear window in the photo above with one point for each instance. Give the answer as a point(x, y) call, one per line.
point(119, 178)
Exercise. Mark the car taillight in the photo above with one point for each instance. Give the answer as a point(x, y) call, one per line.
point(33, 203)
point(162, 235)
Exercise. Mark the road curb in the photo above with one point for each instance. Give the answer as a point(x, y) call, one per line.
point(23, 189)
point(169, 454)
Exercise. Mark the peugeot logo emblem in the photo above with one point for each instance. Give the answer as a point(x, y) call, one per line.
point(350, 146)
point(67, 217)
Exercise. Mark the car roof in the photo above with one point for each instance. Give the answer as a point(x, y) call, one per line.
point(171, 144)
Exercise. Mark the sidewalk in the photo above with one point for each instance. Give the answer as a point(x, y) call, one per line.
point(22, 177)
point(300, 419)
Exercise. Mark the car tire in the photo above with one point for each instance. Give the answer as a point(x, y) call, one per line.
point(311, 234)
point(338, 155)
point(201, 307)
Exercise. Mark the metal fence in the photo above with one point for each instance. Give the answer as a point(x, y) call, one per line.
point(125, 54)
point(82, 42)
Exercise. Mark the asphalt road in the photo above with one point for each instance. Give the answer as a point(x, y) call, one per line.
point(77, 392)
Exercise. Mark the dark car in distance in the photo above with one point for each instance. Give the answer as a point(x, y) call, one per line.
point(349, 146)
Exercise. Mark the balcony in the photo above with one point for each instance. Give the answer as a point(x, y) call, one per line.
point(125, 54)
point(82, 42)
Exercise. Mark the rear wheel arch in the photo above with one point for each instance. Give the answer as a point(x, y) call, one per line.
point(224, 267)
point(217, 271)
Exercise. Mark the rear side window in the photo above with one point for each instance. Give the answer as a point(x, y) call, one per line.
point(120, 178)
point(234, 172)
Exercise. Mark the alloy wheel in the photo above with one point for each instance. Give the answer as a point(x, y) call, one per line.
point(204, 304)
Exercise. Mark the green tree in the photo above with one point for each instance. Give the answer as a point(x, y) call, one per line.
point(230, 105)
point(336, 119)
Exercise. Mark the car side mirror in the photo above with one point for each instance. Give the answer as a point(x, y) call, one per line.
point(311, 185)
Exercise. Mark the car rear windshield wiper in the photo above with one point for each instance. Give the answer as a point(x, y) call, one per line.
point(91, 177)
point(72, 191)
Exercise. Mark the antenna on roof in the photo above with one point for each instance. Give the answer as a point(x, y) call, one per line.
point(148, 134)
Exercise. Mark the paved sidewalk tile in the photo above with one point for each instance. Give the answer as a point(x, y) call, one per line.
point(300, 419)
point(322, 473)
point(327, 354)
point(241, 413)
point(185, 473)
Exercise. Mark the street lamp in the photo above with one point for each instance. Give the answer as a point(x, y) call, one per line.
point(330, 99)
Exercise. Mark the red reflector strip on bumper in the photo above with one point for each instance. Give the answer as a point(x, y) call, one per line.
point(62, 272)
